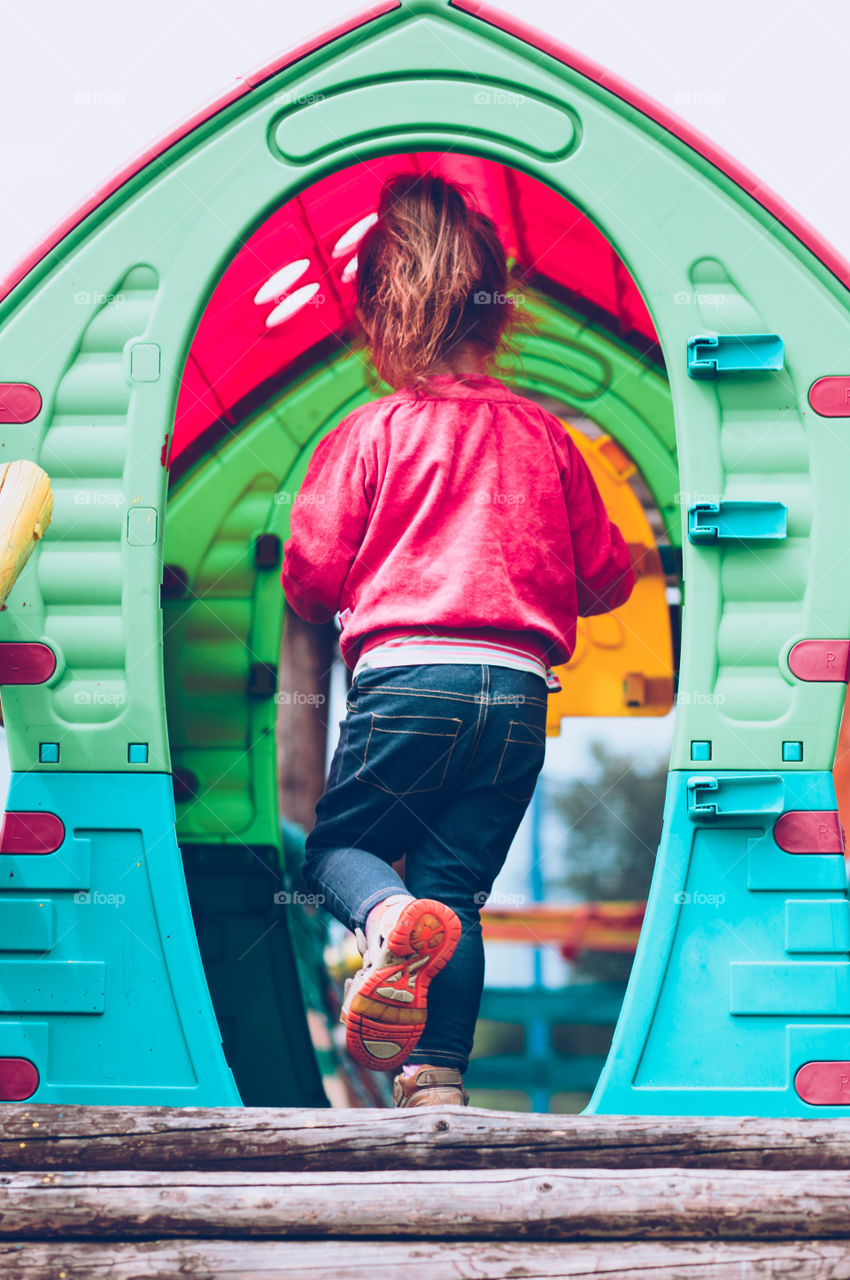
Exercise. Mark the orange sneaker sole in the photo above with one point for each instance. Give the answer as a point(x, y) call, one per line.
point(387, 1015)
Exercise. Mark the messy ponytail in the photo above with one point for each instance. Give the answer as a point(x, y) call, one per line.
point(432, 275)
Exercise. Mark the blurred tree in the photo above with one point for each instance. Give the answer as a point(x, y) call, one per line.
point(613, 826)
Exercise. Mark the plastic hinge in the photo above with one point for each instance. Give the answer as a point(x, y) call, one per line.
point(738, 521)
point(738, 795)
point(709, 355)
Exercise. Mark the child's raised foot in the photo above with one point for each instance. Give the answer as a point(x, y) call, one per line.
point(385, 1004)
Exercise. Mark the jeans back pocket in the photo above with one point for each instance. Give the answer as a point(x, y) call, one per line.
point(521, 760)
point(408, 754)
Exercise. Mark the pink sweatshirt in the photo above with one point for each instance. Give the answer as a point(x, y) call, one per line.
point(470, 513)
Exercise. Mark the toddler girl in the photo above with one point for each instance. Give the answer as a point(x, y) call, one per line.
point(455, 528)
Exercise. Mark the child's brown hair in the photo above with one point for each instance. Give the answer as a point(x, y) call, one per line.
point(431, 275)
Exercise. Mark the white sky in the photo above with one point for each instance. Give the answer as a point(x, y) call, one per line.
point(764, 78)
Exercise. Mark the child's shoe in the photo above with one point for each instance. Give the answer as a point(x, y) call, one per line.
point(385, 1004)
point(430, 1087)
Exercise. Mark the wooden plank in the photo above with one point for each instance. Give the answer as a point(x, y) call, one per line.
point(363, 1260)
point(508, 1204)
point(271, 1138)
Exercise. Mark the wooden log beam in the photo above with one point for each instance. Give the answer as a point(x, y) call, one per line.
point(270, 1138)
point(485, 1204)
point(450, 1260)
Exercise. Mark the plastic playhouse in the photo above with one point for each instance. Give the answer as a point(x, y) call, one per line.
point(170, 356)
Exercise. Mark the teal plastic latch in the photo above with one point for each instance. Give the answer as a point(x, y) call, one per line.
point(739, 521)
point(734, 353)
point(734, 795)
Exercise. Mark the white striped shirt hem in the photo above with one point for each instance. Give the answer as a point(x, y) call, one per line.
point(406, 651)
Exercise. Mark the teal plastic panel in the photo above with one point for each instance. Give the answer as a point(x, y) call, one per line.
point(115, 1009)
point(738, 979)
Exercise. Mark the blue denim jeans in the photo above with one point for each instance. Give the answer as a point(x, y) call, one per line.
point(436, 762)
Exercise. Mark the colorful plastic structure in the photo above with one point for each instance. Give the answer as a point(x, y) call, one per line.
point(171, 355)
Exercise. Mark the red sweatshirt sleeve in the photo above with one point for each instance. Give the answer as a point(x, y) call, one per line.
point(604, 574)
point(327, 524)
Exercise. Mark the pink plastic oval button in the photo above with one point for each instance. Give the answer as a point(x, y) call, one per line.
point(820, 660)
point(37, 832)
point(824, 1083)
point(26, 662)
point(18, 1079)
point(830, 397)
point(809, 831)
point(19, 402)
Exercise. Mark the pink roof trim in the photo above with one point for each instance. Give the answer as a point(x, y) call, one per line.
point(244, 84)
point(802, 229)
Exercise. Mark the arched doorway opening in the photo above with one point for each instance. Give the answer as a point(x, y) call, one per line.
point(593, 357)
